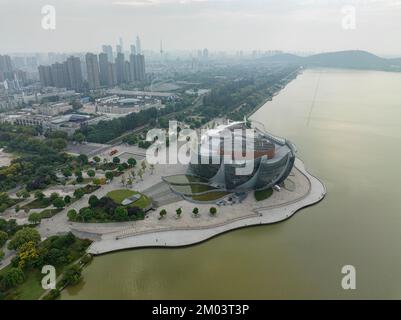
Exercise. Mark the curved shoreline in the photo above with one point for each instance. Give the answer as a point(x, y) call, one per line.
point(191, 236)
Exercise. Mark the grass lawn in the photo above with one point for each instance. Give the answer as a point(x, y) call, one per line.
point(210, 196)
point(11, 203)
point(37, 204)
point(119, 195)
point(263, 194)
point(31, 288)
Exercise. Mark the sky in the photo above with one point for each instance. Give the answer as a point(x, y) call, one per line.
point(219, 25)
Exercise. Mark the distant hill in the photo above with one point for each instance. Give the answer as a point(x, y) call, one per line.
point(355, 59)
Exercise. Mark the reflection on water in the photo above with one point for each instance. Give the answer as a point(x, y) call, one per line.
point(347, 128)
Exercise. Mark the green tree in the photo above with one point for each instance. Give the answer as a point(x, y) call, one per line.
point(3, 238)
point(58, 203)
point(91, 173)
point(22, 236)
point(116, 160)
point(25, 194)
point(96, 159)
point(72, 215)
point(79, 193)
point(72, 275)
point(66, 172)
point(1, 254)
point(109, 175)
point(54, 196)
point(179, 212)
point(195, 211)
point(213, 211)
point(35, 217)
point(121, 214)
point(93, 201)
point(87, 214)
point(131, 162)
point(78, 137)
point(12, 278)
point(39, 195)
point(4, 198)
point(78, 174)
point(67, 199)
point(163, 213)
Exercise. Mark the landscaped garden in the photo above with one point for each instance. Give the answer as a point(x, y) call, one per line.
point(110, 208)
point(263, 194)
point(22, 278)
point(7, 202)
point(119, 195)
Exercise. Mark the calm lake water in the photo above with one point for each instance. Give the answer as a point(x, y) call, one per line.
point(347, 127)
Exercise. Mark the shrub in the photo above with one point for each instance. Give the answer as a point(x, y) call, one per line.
point(3, 238)
point(22, 236)
point(72, 215)
point(11, 279)
point(72, 275)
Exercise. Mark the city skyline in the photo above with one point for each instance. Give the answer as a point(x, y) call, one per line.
point(193, 24)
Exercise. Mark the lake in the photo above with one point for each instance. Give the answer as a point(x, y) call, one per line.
point(347, 127)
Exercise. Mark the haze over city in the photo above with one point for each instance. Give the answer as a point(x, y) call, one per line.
point(230, 25)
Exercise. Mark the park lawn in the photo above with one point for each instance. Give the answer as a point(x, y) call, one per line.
point(12, 202)
point(212, 196)
point(263, 194)
point(31, 288)
point(37, 204)
point(119, 195)
point(48, 213)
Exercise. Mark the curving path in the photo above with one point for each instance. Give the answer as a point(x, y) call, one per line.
point(187, 235)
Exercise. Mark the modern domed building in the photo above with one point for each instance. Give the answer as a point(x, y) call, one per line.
point(234, 158)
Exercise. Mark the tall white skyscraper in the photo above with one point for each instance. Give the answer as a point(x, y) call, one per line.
point(107, 49)
point(120, 42)
point(138, 45)
point(133, 49)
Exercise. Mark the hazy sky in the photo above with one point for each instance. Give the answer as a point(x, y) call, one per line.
point(290, 25)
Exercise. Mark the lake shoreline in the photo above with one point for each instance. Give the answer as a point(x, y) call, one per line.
point(190, 236)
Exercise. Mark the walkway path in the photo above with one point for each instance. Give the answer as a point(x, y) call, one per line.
point(195, 230)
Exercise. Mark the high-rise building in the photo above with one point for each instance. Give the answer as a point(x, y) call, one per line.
point(137, 64)
point(138, 45)
point(6, 64)
point(92, 67)
point(60, 76)
point(205, 53)
point(45, 76)
point(6, 68)
point(133, 49)
point(127, 72)
point(74, 73)
point(120, 66)
point(103, 69)
point(107, 49)
point(111, 75)
point(120, 42)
